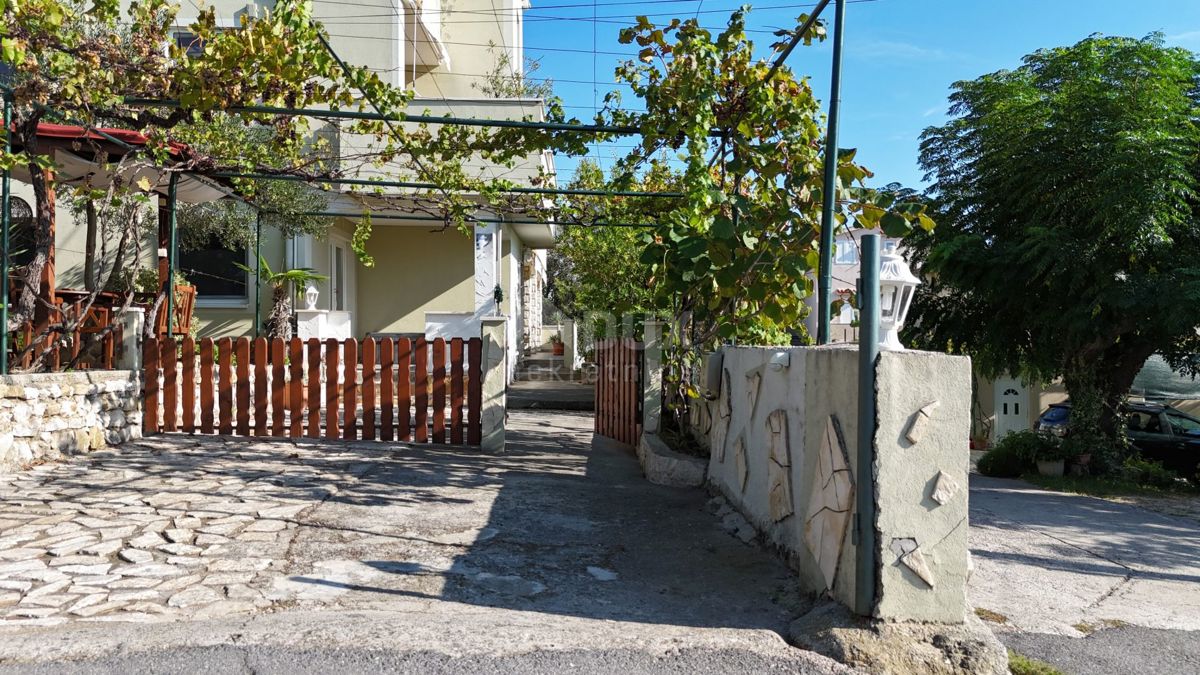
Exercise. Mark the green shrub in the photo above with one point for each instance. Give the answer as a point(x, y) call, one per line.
point(1013, 455)
point(1148, 472)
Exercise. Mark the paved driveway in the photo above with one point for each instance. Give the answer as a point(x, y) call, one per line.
point(442, 558)
point(1057, 567)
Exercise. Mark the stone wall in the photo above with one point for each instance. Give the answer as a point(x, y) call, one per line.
point(783, 436)
point(44, 416)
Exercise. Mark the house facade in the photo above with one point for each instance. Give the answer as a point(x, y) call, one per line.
point(426, 279)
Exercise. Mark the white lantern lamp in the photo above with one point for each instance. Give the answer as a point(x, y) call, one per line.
point(310, 296)
point(897, 284)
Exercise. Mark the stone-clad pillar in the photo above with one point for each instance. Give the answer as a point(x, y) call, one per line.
point(492, 417)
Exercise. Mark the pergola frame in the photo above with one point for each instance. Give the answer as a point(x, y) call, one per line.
point(864, 531)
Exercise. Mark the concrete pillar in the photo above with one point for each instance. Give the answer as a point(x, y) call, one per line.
point(130, 349)
point(487, 273)
point(495, 352)
point(570, 338)
point(652, 362)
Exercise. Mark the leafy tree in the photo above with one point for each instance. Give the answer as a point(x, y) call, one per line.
point(736, 254)
point(594, 268)
point(1066, 200)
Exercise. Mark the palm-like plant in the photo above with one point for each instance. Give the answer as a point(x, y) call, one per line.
point(279, 322)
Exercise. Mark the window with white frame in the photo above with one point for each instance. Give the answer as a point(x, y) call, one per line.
point(845, 252)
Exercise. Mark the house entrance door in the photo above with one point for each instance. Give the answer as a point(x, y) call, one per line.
point(1012, 406)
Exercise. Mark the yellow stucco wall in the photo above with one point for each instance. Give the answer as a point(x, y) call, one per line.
point(416, 271)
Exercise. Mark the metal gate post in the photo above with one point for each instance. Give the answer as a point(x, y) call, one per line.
point(868, 355)
point(825, 266)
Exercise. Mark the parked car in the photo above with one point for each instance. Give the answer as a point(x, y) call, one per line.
point(1158, 432)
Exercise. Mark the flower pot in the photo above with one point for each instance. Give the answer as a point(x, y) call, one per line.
point(558, 348)
point(1053, 467)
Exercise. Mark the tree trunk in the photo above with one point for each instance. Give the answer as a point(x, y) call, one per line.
point(279, 321)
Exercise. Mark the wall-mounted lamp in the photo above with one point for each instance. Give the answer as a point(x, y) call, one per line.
point(779, 361)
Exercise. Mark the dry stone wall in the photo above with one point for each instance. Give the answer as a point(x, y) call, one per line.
point(44, 416)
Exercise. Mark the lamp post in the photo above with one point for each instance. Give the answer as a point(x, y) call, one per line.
point(897, 284)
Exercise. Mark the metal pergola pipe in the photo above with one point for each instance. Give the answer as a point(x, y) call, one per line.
point(258, 218)
point(434, 186)
point(425, 119)
point(473, 219)
point(825, 267)
point(5, 223)
point(172, 251)
point(864, 476)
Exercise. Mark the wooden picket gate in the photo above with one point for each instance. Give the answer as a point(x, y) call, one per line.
point(387, 389)
point(619, 389)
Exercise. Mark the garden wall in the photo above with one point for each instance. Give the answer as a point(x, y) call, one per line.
point(44, 416)
point(783, 436)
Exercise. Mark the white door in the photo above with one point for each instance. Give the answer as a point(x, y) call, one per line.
point(1012, 407)
point(341, 277)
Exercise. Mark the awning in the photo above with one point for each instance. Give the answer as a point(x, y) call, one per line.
point(72, 169)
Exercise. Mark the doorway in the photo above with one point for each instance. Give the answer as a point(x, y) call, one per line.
point(1012, 406)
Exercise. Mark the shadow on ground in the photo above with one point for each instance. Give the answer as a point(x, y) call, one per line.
point(556, 525)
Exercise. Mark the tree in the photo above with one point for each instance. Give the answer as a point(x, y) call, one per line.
point(283, 284)
point(736, 253)
point(1067, 242)
point(596, 269)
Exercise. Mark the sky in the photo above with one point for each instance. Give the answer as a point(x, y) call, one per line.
point(901, 56)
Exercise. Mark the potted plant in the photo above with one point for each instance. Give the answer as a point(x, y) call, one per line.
point(556, 343)
point(1052, 456)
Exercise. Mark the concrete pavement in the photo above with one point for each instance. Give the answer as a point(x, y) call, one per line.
point(552, 553)
point(1055, 567)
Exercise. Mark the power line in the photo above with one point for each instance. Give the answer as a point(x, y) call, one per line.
point(534, 16)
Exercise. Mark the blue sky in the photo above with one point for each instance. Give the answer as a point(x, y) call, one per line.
point(901, 55)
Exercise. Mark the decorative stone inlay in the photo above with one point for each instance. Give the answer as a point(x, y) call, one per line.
point(753, 383)
point(945, 488)
point(724, 412)
point(920, 422)
point(779, 468)
point(831, 503)
point(909, 554)
point(739, 459)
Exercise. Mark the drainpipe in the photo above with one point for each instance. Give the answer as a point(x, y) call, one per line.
point(868, 355)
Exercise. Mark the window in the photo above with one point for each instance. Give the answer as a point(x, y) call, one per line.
point(213, 270)
point(1183, 426)
point(846, 252)
point(20, 233)
point(189, 43)
point(889, 245)
point(339, 279)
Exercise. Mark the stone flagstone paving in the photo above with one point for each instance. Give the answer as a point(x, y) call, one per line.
point(160, 530)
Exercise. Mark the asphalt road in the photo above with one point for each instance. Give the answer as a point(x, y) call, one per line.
point(267, 660)
point(1049, 567)
point(1129, 649)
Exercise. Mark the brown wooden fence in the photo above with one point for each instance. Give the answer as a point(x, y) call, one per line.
point(619, 389)
point(379, 389)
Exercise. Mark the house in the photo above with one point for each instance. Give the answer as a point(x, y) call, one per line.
point(426, 279)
